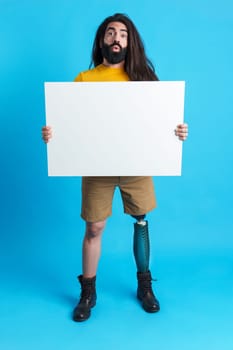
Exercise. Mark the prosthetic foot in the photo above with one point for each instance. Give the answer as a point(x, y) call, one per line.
point(145, 293)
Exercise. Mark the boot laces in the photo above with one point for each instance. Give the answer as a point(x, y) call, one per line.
point(147, 287)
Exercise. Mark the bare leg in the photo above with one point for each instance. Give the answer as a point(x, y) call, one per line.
point(91, 255)
point(92, 247)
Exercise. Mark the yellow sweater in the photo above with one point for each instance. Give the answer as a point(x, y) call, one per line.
point(102, 73)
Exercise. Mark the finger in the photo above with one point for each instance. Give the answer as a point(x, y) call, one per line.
point(182, 129)
point(47, 132)
point(46, 128)
point(182, 132)
point(46, 136)
point(183, 137)
point(184, 125)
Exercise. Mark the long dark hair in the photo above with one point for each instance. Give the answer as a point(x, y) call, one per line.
point(137, 65)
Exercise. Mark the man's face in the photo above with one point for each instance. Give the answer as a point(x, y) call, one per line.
point(114, 47)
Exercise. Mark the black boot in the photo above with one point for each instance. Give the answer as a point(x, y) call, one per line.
point(87, 299)
point(145, 293)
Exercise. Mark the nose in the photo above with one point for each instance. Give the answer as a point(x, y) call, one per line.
point(117, 37)
point(116, 42)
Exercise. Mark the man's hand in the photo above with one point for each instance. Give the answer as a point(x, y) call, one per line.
point(182, 131)
point(46, 133)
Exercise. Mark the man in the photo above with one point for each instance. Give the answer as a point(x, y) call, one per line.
point(118, 55)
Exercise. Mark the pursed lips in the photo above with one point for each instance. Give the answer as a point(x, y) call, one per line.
point(116, 47)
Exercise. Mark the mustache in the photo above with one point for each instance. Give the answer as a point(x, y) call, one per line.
point(116, 44)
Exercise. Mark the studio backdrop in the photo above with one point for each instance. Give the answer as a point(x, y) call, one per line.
point(52, 41)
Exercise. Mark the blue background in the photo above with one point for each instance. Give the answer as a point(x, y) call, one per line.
point(191, 230)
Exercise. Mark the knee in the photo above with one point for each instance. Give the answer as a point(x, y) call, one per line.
point(139, 217)
point(94, 230)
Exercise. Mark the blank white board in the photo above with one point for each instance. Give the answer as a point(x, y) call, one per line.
point(114, 128)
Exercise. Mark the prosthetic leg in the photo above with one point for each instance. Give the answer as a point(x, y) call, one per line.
point(141, 248)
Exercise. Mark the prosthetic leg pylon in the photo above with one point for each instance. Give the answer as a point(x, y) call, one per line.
point(142, 255)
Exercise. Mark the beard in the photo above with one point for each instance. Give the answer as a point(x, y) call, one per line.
point(111, 56)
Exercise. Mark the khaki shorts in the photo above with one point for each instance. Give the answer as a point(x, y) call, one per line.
point(137, 194)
